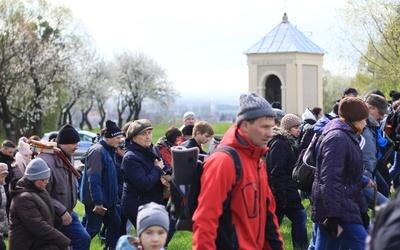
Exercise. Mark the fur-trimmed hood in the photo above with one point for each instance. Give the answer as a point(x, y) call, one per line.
point(280, 132)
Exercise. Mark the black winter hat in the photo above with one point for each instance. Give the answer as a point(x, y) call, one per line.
point(112, 130)
point(67, 135)
point(395, 95)
point(188, 130)
point(353, 109)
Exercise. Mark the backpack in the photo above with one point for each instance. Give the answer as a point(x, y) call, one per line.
point(385, 233)
point(185, 183)
point(304, 168)
point(392, 128)
point(305, 136)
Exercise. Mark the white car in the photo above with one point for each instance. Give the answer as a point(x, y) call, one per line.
point(87, 139)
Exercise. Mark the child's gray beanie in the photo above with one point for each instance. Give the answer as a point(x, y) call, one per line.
point(253, 106)
point(151, 214)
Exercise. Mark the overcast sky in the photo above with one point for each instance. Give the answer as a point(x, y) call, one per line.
point(201, 44)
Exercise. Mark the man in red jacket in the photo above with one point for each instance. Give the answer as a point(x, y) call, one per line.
point(249, 222)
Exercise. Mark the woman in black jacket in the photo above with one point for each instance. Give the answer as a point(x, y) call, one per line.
point(280, 163)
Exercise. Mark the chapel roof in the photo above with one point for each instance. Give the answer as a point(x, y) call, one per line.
point(285, 38)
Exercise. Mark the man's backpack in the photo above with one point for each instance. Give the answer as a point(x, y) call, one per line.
point(392, 128)
point(185, 182)
point(385, 233)
point(304, 168)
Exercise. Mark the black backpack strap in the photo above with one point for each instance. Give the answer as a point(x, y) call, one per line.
point(236, 159)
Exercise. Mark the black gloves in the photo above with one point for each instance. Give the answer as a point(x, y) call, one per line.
point(365, 219)
point(331, 226)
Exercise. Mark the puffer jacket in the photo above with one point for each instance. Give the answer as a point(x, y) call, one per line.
point(142, 182)
point(31, 225)
point(280, 164)
point(3, 213)
point(337, 187)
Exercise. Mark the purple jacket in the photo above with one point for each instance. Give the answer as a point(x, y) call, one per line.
point(337, 187)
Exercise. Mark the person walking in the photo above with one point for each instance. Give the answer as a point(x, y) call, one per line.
point(280, 164)
point(339, 208)
point(99, 191)
point(249, 222)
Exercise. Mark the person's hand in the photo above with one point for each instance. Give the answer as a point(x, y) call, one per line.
point(331, 226)
point(365, 219)
point(165, 182)
point(66, 219)
point(159, 164)
point(370, 184)
point(99, 209)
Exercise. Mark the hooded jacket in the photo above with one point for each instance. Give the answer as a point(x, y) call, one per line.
point(249, 222)
point(280, 164)
point(337, 187)
point(31, 227)
point(306, 129)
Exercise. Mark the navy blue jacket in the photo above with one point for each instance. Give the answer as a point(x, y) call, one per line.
point(337, 187)
point(142, 182)
point(99, 181)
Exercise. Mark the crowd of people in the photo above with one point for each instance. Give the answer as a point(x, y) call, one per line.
point(124, 181)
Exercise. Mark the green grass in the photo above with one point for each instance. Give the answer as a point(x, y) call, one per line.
point(159, 130)
point(182, 240)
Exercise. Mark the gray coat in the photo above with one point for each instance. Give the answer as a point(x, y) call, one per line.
point(62, 185)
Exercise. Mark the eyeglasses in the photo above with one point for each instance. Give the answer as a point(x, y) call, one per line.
point(45, 180)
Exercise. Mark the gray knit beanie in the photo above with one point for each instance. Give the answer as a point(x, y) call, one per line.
point(289, 121)
point(253, 106)
point(37, 169)
point(151, 214)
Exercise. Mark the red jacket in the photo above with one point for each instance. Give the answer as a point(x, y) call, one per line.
point(252, 208)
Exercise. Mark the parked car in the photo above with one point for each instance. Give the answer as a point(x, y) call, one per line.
point(87, 140)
